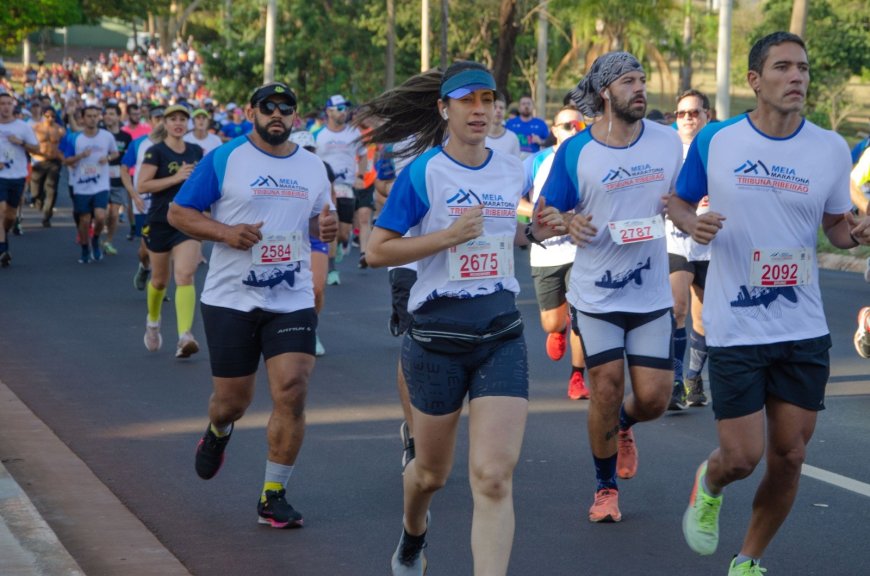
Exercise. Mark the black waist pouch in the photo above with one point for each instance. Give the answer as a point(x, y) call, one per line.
point(451, 337)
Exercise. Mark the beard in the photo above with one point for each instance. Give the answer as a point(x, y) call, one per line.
point(272, 138)
point(624, 111)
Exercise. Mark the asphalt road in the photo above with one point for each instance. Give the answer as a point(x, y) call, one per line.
point(71, 349)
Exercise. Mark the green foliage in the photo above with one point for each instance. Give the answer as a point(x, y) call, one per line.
point(320, 50)
point(20, 18)
point(838, 43)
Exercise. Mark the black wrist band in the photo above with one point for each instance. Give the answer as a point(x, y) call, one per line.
point(531, 237)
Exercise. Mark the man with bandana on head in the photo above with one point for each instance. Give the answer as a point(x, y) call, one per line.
point(610, 182)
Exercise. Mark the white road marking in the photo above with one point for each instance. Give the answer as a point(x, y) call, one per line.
point(837, 480)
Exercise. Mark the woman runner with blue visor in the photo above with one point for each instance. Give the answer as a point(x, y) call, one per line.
point(458, 200)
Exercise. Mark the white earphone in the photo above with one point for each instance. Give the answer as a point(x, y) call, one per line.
point(607, 94)
point(444, 114)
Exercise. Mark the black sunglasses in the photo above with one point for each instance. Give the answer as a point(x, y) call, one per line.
point(268, 107)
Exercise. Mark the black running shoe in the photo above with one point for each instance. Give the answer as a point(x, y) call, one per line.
point(277, 512)
point(678, 397)
point(5, 260)
point(409, 559)
point(408, 451)
point(140, 278)
point(210, 453)
point(696, 397)
point(393, 325)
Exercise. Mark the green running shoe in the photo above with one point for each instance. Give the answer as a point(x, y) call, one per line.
point(751, 568)
point(701, 519)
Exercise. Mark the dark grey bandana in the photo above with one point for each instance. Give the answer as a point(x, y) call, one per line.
point(606, 68)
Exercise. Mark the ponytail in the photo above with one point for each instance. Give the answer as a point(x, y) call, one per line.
point(406, 111)
point(158, 134)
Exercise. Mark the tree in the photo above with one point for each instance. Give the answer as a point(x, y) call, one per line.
point(18, 19)
point(838, 42)
point(508, 29)
point(637, 26)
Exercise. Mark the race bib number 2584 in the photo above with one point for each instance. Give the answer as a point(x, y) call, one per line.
point(277, 248)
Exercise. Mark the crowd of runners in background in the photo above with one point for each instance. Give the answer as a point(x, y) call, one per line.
point(126, 134)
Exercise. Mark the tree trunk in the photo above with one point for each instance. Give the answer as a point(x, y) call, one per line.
point(541, 76)
point(269, 52)
point(185, 15)
point(163, 32)
point(445, 27)
point(172, 24)
point(723, 62)
point(799, 17)
point(686, 68)
point(391, 45)
point(424, 35)
point(228, 20)
point(507, 38)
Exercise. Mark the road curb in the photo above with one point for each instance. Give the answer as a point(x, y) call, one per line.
point(28, 546)
point(67, 515)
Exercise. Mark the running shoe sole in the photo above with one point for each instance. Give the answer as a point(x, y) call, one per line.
point(626, 459)
point(275, 524)
point(188, 349)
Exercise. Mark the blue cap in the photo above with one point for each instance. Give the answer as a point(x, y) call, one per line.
point(336, 100)
point(466, 82)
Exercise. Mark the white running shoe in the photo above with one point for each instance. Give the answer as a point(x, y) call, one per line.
point(153, 339)
point(187, 346)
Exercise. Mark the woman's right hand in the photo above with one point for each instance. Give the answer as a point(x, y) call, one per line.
point(468, 226)
point(185, 171)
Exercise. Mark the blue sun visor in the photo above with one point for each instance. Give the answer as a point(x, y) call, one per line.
point(467, 82)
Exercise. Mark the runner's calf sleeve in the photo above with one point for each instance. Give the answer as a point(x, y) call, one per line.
point(155, 302)
point(185, 306)
point(697, 354)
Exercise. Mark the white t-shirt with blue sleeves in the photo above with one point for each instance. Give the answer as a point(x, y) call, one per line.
point(242, 184)
point(559, 249)
point(612, 185)
point(773, 193)
point(431, 193)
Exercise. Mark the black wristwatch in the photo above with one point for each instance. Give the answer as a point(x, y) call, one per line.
point(531, 237)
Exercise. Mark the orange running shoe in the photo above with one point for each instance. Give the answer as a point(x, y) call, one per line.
point(626, 455)
point(557, 343)
point(577, 387)
point(606, 506)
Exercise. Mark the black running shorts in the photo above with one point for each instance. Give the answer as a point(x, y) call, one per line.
point(742, 377)
point(162, 237)
point(237, 339)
